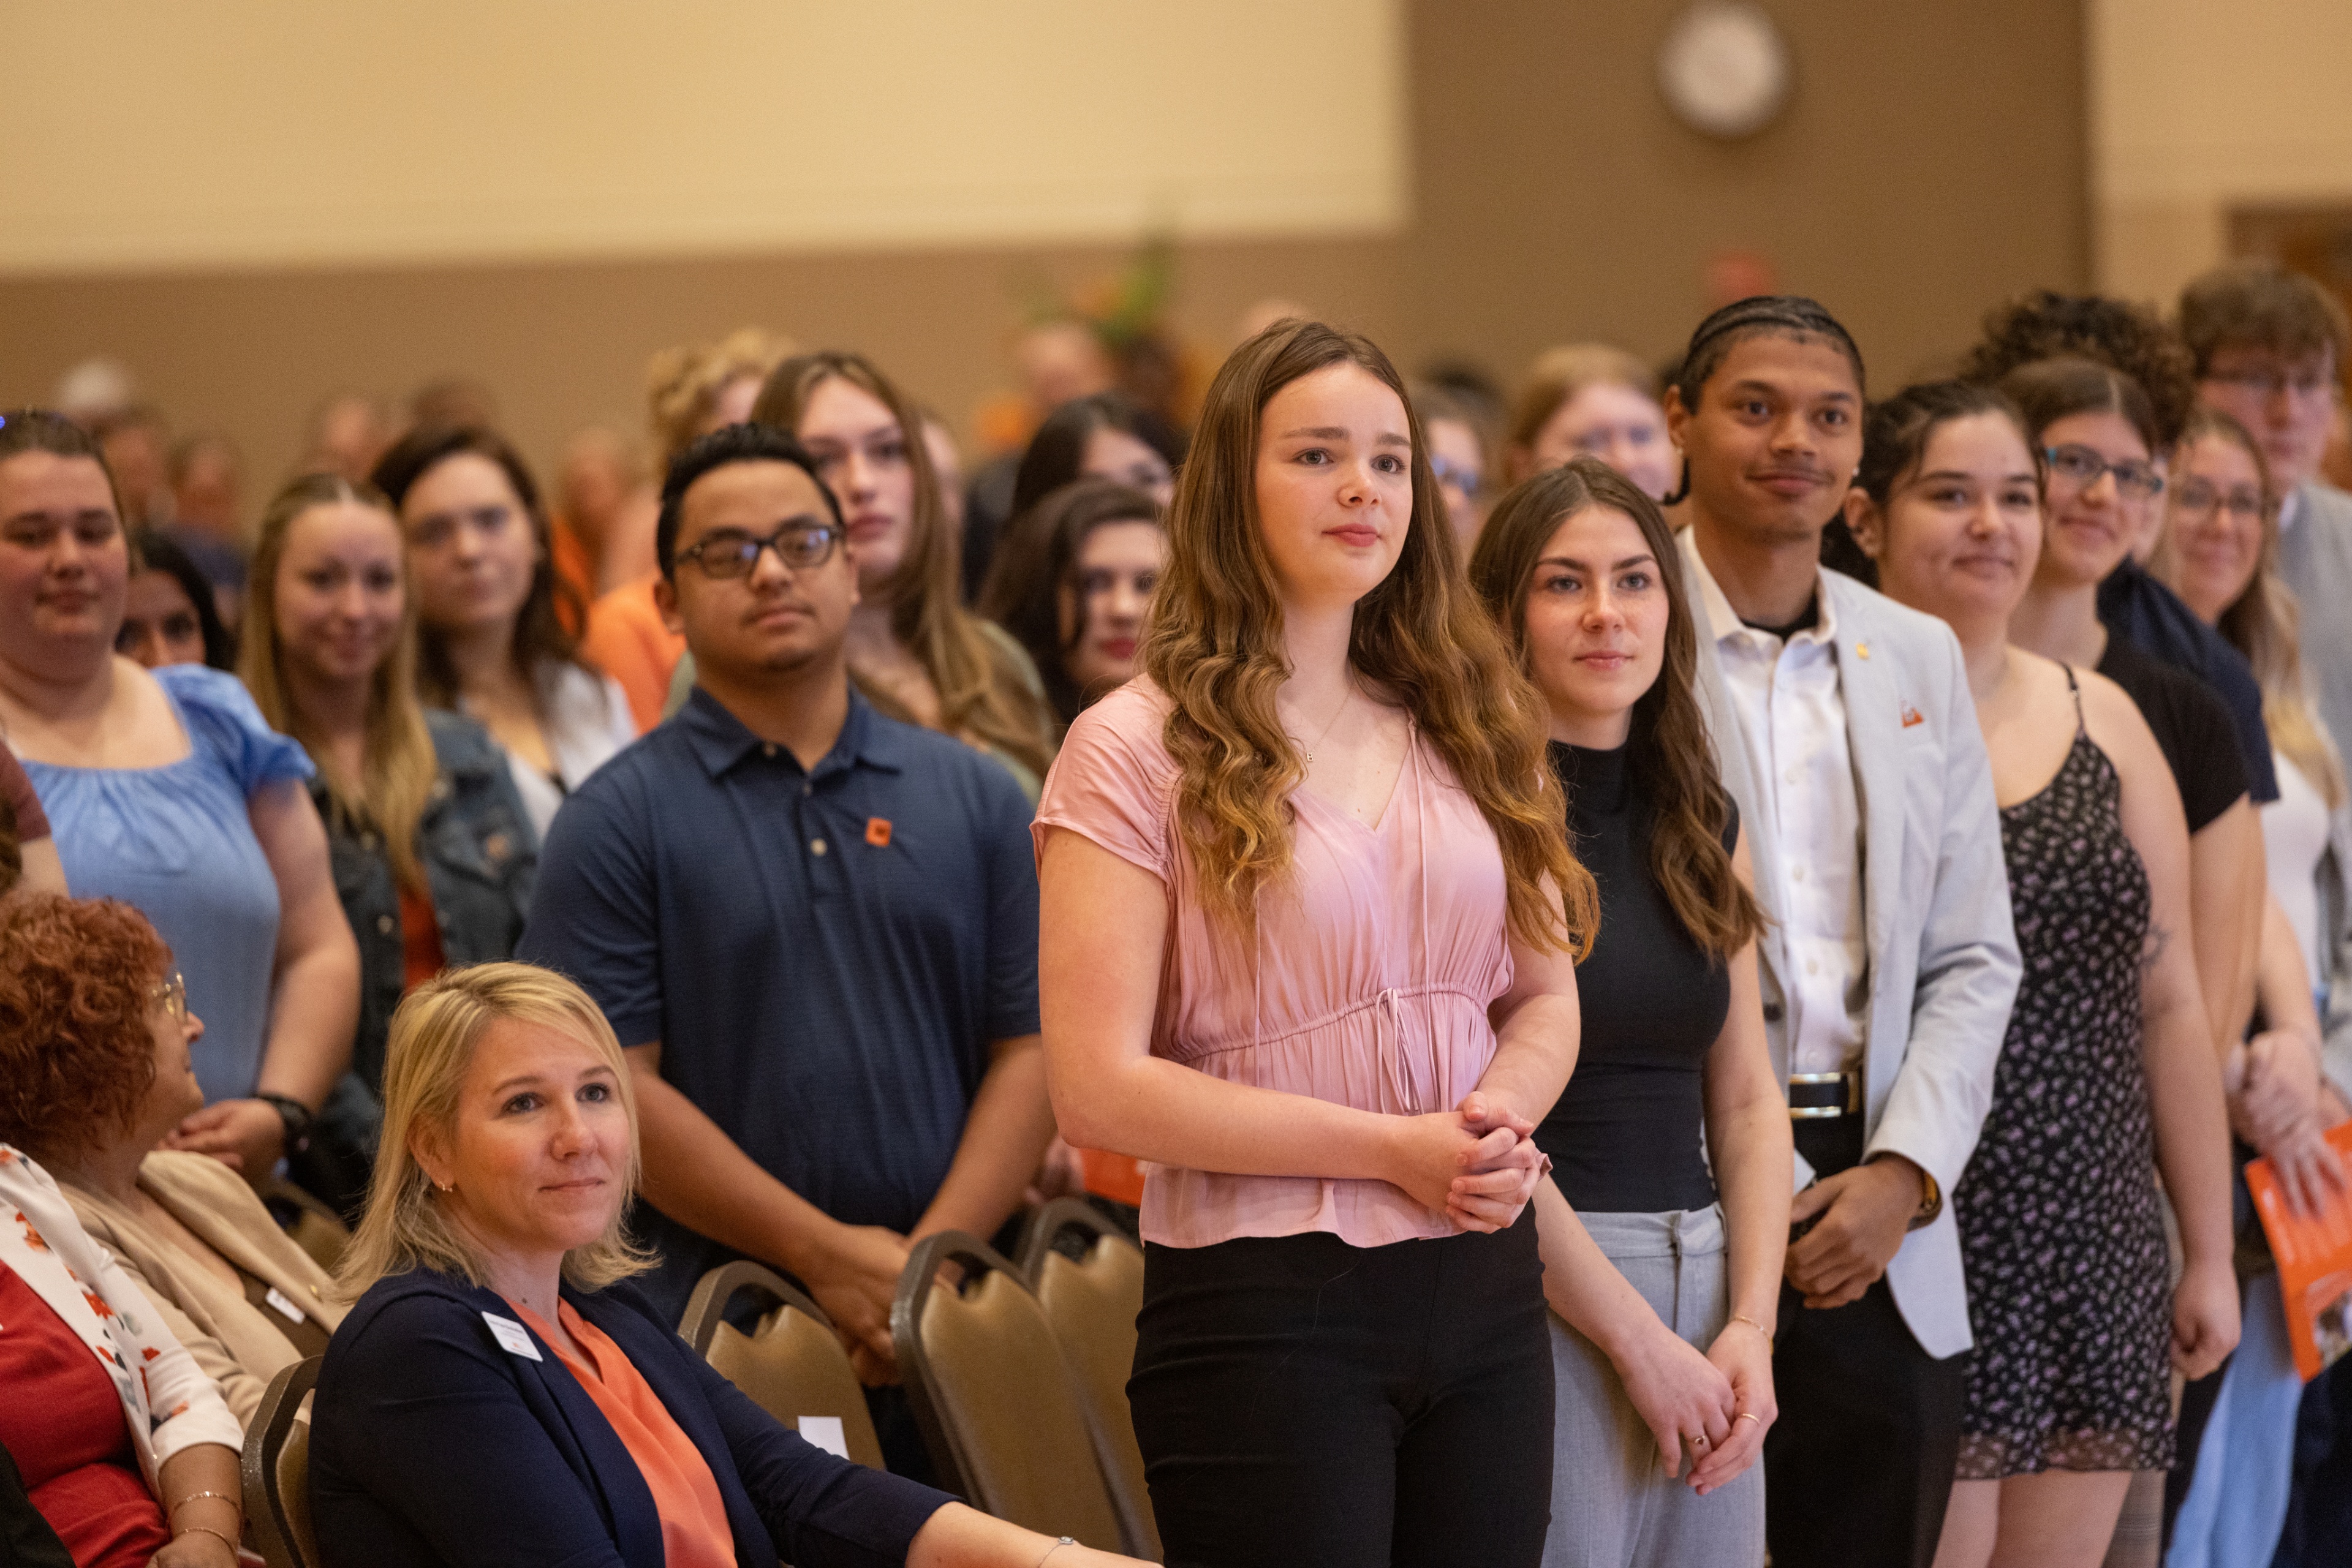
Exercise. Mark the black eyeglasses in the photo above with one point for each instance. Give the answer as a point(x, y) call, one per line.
point(730, 555)
point(2082, 465)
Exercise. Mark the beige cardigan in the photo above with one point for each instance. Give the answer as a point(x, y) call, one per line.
point(238, 1344)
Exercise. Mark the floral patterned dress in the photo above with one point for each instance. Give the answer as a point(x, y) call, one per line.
point(2061, 1228)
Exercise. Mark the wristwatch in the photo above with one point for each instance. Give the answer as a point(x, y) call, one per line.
point(297, 1117)
point(1931, 1201)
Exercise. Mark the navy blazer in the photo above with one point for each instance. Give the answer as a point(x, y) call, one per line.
point(432, 1445)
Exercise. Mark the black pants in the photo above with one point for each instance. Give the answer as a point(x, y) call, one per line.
point(1859, 1466)
point(1302, 1401)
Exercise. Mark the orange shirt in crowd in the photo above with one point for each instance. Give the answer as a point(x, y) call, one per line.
point(695, 1531)
point(420, 938)
point(568, 554)
point(628, 640)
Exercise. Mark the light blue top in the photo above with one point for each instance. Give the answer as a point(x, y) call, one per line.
point(176, 842)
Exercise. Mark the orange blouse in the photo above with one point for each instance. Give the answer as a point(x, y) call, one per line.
point(695, 1533)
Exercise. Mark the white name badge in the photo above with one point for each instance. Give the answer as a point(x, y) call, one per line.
point(824, 1432)
point(283, 1304)
point(512, 1337)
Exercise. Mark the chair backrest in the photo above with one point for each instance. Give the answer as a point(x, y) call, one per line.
point(791, 1364)
point(276, 1467)
point(997, 1405)
point(1092, 1299)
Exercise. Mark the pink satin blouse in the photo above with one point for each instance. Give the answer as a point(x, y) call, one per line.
point(1367, 983)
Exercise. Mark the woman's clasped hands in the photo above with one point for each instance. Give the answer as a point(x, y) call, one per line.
point(1477, 1164)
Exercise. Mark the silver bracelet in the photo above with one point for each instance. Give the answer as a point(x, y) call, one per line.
point(1066, 1540)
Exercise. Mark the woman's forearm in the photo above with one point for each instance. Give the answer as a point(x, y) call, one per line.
point(1535, 1052)
point(2192, 1136)
point(2227, 887)
point(1753, 1173)
point(201, 1491)
point(1581, 1284)
point(1161, 1110)
point(313, 1015)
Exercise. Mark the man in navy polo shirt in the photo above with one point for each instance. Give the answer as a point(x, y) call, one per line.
point(815, 928)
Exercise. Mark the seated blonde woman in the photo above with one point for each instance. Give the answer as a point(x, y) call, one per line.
point(94, 1038)
point(501, 1395)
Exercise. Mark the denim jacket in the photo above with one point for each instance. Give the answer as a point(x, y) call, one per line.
point(480, 860)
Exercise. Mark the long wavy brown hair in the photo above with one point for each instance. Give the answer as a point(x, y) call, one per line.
point(401, 765)
point(1214, 647)
point(983, 693)
point(1669, 763)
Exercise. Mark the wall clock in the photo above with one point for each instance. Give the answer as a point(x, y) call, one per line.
point(1725, 68)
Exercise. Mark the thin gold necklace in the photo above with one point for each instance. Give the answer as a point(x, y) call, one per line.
point(1348, 692)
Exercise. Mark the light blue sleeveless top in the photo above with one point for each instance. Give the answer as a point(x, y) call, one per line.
point(176, 843)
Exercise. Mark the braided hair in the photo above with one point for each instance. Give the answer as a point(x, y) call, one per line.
point(1761, 315)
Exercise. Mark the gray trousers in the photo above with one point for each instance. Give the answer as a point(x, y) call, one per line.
point(1613, 1504)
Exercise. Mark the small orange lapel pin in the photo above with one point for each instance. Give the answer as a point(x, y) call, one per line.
point(1912, 716)
point(877, 831)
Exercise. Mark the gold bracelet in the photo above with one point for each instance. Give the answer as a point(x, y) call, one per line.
point(238, 1503)
point(1751, 1323)
point(215, 1535)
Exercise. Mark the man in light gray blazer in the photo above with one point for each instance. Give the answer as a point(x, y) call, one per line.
point(1843, 727)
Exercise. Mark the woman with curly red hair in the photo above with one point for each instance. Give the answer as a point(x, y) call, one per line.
point(1303, 948)
point(94, 1070)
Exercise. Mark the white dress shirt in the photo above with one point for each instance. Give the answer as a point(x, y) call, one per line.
point(1792, 721)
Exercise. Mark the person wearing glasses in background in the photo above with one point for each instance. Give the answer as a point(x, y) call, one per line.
point(1457, 456)
point(814, 929)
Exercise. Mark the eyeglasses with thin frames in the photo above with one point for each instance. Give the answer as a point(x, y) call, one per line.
point(2196, 501)
point(724, 555)
point(171, 994)
point(2305, 383)
point(2082, 465)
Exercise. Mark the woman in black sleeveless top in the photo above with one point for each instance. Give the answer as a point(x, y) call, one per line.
point(1662, 1275)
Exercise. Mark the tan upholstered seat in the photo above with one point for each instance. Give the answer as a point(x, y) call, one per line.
point(276, 1469)
point(791, 1364)
point(1092, 1299)
point(998, 1402)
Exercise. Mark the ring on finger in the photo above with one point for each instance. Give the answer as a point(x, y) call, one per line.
point(1747, 1416)
point(1697, 1442)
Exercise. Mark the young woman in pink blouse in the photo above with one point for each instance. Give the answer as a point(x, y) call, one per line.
point(1308, 919)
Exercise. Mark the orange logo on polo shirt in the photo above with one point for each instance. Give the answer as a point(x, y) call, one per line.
point(1912, 716)
point(877, 831)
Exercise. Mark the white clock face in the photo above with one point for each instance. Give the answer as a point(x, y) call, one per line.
point(1725, 68)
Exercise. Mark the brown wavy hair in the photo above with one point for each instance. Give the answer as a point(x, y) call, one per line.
point(1215, 646)
point(1669, 762)
point(76, 1057)
point(401, 766)
point(984, 691)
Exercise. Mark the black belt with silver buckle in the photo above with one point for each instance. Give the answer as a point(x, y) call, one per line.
point(1819, 1096)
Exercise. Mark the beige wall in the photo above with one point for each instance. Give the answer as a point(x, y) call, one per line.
point(2198, 108)
point(1929, 165)
point(269, 132)
point(1924, 171)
